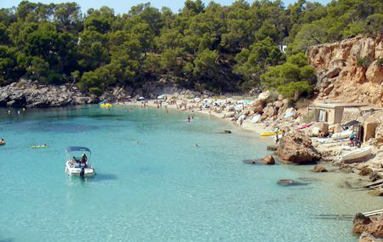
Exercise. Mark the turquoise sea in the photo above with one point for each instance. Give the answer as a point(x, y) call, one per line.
point(154, 184)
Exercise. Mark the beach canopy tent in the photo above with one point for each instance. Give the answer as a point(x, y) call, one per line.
point(76, 151)
point(197, 99)
point(161, 96)
point(350, 124)
point(77, 148)
point(141, 98)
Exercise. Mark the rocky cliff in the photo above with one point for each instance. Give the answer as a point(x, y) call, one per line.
point(31, 94)
point(350, 70)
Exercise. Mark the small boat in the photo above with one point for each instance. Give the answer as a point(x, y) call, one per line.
point(2, 142)
point(356, 154)
point(77, 164)
point(342, 135)
point(270, 133)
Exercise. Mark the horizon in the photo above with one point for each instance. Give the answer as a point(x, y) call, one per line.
point(121, 7)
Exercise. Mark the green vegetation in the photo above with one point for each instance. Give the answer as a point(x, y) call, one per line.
point(214, 47)
point(364, 62)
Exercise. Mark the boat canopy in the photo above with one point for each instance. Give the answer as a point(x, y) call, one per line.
point(77, 148)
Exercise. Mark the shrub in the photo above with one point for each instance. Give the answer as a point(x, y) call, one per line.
point(364, 62)
point(380, 62)
point(302, 103)
point(308, 117)
point(95, 90)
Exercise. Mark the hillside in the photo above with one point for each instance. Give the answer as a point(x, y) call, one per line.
point(350, 70)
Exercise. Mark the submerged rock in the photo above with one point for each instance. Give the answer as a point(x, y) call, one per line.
point(225, 131)
point(267, 160)
point(252, 162)
point(272, 147)
point(290, 182)
point(378, 193)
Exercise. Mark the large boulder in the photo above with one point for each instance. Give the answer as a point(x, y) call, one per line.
point(264, 96)
point(297, 148)
point(269, 111)
point(365, 224)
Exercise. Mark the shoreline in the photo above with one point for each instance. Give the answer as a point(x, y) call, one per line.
point(240, 119)
point(246, 125)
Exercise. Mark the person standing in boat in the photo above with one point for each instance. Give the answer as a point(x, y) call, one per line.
point(83, 160)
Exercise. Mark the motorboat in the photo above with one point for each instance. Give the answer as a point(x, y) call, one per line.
point(356, 154)
point(77, 162)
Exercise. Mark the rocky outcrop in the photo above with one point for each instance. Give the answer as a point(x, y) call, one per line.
point(297, 148)
point(349, 70)
point(366, 237)
point(319, 168)
point(365, 224)
point(268, 160)
point(32, 94)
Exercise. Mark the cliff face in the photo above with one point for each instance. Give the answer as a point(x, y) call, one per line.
point(350, 70)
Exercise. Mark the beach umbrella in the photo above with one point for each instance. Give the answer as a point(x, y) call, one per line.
point(161, 96)
point(141, 98)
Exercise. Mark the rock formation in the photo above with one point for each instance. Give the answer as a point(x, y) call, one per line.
point(268, 160)
point(32, 94)
point(350, 70)
point(297, 148)
point(365, 224)
point(319, 168)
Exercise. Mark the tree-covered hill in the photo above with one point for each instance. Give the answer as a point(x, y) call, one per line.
point(214, 47)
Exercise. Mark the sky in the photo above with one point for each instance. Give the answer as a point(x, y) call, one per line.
point(123, 6)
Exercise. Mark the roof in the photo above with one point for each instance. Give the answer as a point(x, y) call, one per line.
point(352, 123)
point(334, 105)
point(77, 148)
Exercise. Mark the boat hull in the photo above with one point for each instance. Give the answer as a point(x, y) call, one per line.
point(74, 169)
point(342, 135)
point(356, 154)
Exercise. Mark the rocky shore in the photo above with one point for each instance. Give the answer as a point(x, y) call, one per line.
point(33, 95)
point(304, 141)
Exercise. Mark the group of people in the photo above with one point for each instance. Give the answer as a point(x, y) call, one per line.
point(83, 160)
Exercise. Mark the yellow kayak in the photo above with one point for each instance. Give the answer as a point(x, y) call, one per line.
point(270, 133)
point(106, 105)
point(38, 146)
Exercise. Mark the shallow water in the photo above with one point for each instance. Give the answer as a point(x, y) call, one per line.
point(154, 184)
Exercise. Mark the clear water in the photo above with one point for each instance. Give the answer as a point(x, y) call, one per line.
point(154, 184)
